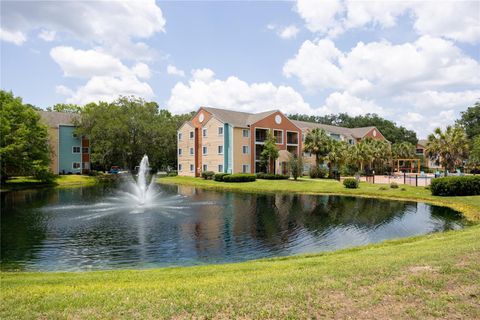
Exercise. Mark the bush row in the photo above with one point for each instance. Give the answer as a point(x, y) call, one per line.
point(456, 186)
point(271, 176)
point(239, 177)
point(219, 176)
point(208, 175)
point(350, 183)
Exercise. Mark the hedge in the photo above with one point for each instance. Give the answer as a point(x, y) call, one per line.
point(239, 177)
point(208, 175)
point(350, 183)
point(219, 176)
point(271, 176)
point(456, 186)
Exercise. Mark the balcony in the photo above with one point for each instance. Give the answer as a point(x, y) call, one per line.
point(292, 137)
point(261, 135)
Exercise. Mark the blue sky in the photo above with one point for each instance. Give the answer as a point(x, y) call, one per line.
point(415, 63)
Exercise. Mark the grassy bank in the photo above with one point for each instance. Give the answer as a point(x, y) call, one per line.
point(469, 206)
point(433, 276)
point(63, 181)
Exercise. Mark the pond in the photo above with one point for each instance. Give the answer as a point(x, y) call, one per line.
point(93, 228)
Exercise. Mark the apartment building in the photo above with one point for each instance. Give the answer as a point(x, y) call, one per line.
point(227, 141)
point(426, 161)
point(70, 153)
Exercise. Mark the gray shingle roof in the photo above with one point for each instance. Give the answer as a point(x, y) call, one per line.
point(237, 118)
point(54, 119)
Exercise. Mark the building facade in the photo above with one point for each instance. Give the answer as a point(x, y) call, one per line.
point(70, 153)
point(422, 154)
point(227, 141)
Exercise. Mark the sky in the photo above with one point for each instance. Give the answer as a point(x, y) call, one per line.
point(416, 63)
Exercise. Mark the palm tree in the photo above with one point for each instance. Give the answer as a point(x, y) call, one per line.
point(403, 150)
point(361, 154)
point(338, 155)
point(448, 148)
point(318, 143)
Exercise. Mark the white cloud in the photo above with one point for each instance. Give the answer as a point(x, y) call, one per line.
point(234, 94)
point(456, 20)
point(382, 68)
point(172, 70)
point(346, 103)
point(106, 88)
point(110, 24)
point(15, 37)
point(440, 100)
point(289, 32)
point(141, 70)
point(47, 35)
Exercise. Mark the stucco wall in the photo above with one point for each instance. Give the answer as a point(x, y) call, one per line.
point(212, 159)
point(66, 156)
point(185, 144)
point(239, 159)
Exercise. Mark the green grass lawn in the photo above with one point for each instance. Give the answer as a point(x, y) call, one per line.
point(431, 276)
point(469, 206)
point(63, 181)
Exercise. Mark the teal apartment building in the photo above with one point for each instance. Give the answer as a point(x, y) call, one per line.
point(70, 153)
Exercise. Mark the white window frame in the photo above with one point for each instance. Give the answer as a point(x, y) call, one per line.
point(220, 169)
point(179, 136)
point(276, 137)
point(247, 131)
point(204, 150)
point(192, 135)
point(298, 137)
point(192, 151)
point(180, 167)
point(247, 167)
point(205, 167)
point(180, 152)
point(204, 133)
point(247, 148)
point(73, 165)
point(220, 134)
point(192, 168)
point(79, 150)
point(218, 149)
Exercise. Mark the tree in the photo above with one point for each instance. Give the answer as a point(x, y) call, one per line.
point(470, 121)
point(65, 107)
point(474, 156)
point(24, 148)
point(318, 143)
point(295, 165)
point(361, 154)
point(270, 151)
point(338, 155)
point(403, 150)
point(390, 130)
point(449, 148)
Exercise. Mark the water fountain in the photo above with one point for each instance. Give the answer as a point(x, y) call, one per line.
point(142, 191)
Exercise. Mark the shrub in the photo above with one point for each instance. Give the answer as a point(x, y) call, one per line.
point(271, 176)
point(350, 183)
point(394, 185)
point(219, 176)
point(239, 177)
point(172, 174)
point(318, 172)
point(208, 175)
point(42, 172)
point(383, 188)
point(456, 186)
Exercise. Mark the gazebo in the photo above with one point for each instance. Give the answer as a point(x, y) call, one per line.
point(401, 164)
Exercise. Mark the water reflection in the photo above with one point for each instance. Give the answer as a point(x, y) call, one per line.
point(77, 229)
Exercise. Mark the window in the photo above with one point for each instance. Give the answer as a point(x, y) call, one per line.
point(245, 168)
point(220, 131)
point(76, 165)
point(419, 151)
point(205, 167)
point(191, 151)
point(220, 149)
point(278, 134)
point(74, 135)
point(179, 167)
point(205, 150)
point(192, 168)
point(220, 168)
point(204, 132)
point(85, 150)
point(192, 134)
point(75, 149)
point(246, 133)
point(245, 150)
point(179, 136)
point(350, 141)
point(292, 137)
point(179, 152)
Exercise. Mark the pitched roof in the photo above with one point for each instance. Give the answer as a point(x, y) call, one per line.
point(237, 118)
point(54, 119)
point(357, 133)
point(422, 142)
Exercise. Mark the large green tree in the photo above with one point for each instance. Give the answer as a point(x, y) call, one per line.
point(470, 121)
point(403, 150)
point(449, 147)
point(390, 130)
point(24, 145)
point(123, 131)
point(270, 152)
point(318, 142)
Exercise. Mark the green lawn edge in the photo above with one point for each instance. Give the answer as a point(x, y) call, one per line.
point(469, 206)
point(61, 181)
